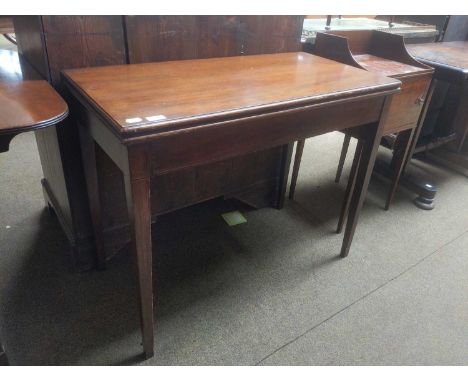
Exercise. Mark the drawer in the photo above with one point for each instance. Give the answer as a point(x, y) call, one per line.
point(407, 105)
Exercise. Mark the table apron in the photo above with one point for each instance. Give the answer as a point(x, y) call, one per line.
point(201, 145)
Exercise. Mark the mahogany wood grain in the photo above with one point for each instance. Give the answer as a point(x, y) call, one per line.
point(265, 103)
point(25, 104)
point(386, 54)
point(384, 66)
point(81, 41)
point(137, 193)
point(187, 93)
point(163, 38)
point(448, 58)
point(29, 105)
point(55, 43)
point(31, 43)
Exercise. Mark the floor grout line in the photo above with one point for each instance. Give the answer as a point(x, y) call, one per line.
point(361, 298)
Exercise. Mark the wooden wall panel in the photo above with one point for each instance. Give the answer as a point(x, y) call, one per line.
point(81, 41)
point(31, 45)
point(272, 34)
point(163, 38)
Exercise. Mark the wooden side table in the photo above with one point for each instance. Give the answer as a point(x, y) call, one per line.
point(386, 54)
point(25, 105)
point(448, 142)
point(158, 118)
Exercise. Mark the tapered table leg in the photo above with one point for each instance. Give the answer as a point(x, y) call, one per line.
point(344, 151)
point(371, 142)
point(400, 153)
point(297, 165)
point(349, 187)
point(137, 192)
point(88, 149)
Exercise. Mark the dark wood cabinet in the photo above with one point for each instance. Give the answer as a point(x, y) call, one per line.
point(54, 43)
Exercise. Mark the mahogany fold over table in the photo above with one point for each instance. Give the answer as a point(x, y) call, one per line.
point(156, 118)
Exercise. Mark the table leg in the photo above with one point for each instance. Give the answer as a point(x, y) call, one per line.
point(284, 173)
point(344, 151)
point(137, 192)
point(371, 142)
point(400, 153)
point(350, 187)
point(88, 153)
point(421, 119)
point(297, 164)
point(461, 122)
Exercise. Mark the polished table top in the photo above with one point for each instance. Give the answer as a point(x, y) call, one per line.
point(155, 97)
point(155, 121)
point(453, 54)
point(25, 104)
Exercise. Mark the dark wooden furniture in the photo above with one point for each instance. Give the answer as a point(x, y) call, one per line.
point(162, 118)
point(53, 43)
point(383, 53)
point(26, 104)
point(445, 130)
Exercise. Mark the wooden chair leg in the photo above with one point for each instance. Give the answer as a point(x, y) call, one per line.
point(400, 154)
point(297, 164)
point(344, 151)
point(349, 187)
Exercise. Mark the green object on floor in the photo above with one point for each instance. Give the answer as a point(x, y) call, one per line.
point(234, 218)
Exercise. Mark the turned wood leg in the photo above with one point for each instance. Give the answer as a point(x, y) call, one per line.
point(137, 192)
point(88, 151)
point(344, 151)
point(349, 187)
point(364, 171)
point(400, 154)
point(297, 164)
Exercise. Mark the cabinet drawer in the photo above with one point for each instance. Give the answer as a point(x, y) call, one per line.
point(406, 106)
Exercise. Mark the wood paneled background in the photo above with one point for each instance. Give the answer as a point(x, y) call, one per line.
point(54, 43)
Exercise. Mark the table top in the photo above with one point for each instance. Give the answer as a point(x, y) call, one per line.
point(26, 104)
point(448, 54)
point(384, 66)
point(157, 97)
